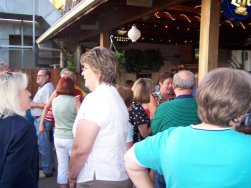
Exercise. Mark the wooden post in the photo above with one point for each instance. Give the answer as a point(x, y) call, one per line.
point(105, 39)
point(209, 36)
point(78, 55)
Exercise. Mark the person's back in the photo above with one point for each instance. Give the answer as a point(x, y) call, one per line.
point(64, 115)
point(182, 111)
point(174, 113)
point(203, 158)
point(209, 154)
point(17, 130)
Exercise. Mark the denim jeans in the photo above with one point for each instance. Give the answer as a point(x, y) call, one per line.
point(159, 181)
point(44, 146)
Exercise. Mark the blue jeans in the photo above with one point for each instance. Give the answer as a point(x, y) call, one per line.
point(159, 181)
point(44, 146)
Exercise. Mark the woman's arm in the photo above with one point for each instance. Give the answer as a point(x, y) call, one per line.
point(152, 106)
point(86, 134)
point(77, 102)
point(144, 130)
point(137, 173)
point(46, 109)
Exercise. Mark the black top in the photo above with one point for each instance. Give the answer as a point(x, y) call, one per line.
point(18, 153)
point(137, 116)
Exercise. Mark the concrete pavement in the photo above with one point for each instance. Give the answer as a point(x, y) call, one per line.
point(50, 182)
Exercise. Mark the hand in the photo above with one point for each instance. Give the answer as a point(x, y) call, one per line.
point(72, 183)
point(41, 128)
point(32, 104)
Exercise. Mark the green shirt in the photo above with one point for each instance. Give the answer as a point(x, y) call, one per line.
point(64, 114)
point(174, 113)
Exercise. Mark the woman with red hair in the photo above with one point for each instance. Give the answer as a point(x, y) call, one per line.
point(64, 108)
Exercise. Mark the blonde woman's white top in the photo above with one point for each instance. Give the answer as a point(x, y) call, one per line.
point(106, 108)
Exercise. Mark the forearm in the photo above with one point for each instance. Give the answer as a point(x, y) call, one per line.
point(77, 162)
point(37, 105)
point(46, 109)
point(144, 130)
point(152, 107)
point(86, 134)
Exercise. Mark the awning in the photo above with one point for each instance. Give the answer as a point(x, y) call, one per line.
point(81, 9)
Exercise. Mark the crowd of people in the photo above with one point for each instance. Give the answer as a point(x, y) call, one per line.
point(126, 136)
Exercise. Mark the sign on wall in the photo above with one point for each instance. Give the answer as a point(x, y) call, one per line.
point(236, 10)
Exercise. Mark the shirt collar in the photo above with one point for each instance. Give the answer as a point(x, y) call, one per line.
point(184, 96)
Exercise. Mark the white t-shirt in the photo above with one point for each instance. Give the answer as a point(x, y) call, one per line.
point(105, 107)
point(42, 96)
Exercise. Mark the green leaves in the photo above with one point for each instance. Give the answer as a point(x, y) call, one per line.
point(69, 61)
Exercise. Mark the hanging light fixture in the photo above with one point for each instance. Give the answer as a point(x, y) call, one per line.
point(134, 34)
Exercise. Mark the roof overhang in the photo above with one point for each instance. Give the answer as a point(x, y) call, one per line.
point(83, 8)
point(91, 17)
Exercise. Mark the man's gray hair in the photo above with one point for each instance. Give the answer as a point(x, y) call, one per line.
point(184, 79)
point(65, 72)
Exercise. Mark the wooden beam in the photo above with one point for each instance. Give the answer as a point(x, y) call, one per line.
point(88, 27)
point(131, 13)
point(209, 36)
point(105, 39)
point(187, 9)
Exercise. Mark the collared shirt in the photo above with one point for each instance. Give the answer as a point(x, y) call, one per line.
point(182, 111)
point(42, 96)
point(184, 96)
point(105, 107)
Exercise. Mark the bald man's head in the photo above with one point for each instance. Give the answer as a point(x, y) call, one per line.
point(184, 79)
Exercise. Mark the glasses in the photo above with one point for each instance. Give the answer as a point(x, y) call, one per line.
point(4, 76)
point(41, 75)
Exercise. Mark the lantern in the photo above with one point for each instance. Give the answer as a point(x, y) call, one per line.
point(134, 34)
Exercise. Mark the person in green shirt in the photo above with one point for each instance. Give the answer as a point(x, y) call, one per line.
point(182, 111)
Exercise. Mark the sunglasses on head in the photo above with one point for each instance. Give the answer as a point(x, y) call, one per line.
point(4, 76)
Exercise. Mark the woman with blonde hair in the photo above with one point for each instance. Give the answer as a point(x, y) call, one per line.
point(18, 141)
point(138, 115)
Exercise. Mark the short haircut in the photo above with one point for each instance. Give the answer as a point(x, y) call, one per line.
point(184, 82)
point(164, 76)
point(11, 84)
point(68, 73)
point(141, 90)
point(129, 83)
point(102, 60)
point(65, 86)
point(223, 95)
point(126, 94)
point(46, 72)
point(65, 72)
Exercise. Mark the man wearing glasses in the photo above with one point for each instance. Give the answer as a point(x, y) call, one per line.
point(40, 99)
